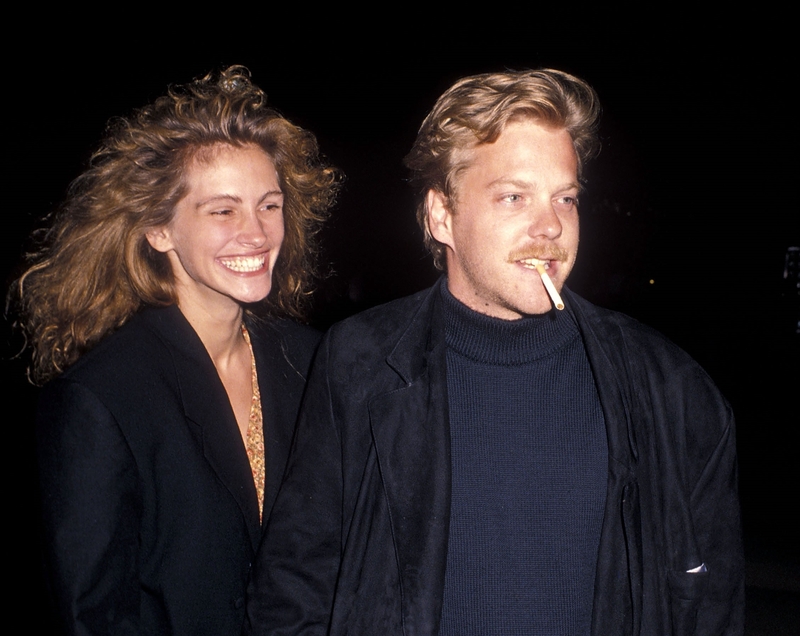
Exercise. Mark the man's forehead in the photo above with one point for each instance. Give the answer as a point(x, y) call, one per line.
point(464, 155)
point(472, 140)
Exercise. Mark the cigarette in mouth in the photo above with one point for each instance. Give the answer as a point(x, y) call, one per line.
point(548, 285)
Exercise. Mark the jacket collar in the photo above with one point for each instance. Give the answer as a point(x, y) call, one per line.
point(425, 331)
point(281, 384)
point(606, 349)
point(411, 433)
point(206, 406)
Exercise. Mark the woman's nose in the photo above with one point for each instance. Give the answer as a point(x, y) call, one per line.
point(252, 231)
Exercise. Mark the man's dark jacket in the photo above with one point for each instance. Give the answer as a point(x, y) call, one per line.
point(357, 543)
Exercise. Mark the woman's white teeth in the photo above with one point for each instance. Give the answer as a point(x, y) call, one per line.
point(244, 263)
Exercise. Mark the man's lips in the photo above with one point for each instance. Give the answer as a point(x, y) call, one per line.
point(541, 261)
point(531, 263)
point(547, 264)
point(541, 266)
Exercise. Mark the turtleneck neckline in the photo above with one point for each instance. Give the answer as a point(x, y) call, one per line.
point(496, 341)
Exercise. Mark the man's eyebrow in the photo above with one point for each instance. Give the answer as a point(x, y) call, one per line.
point(502, 182)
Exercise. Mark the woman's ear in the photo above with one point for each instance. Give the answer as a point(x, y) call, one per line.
point(159, 239)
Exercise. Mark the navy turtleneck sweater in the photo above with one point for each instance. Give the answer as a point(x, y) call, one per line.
point(529, 465)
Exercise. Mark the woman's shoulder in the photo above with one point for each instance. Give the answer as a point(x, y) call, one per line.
point(136, 350)
point(297, 335)
point(152, 370)
point(284, 339)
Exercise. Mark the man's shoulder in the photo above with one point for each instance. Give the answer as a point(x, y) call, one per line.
point(382, 347)
point(652, 363)
point(624, 333)
point(384, 324)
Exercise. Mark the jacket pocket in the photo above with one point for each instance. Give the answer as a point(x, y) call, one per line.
point(687, 589)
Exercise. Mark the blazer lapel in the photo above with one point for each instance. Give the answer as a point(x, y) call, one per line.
point(281, 388)
point(411, 433)
point(605, 349)
point(207, 406)
point(607, 353)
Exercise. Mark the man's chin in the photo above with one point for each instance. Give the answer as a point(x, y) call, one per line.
point(540, 304)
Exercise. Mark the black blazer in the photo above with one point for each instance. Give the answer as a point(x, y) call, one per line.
point(150, 512)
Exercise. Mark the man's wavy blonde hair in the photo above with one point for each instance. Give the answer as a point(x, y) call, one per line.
point(476, 109)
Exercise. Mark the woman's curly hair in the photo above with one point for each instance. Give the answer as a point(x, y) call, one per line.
point(94, 268)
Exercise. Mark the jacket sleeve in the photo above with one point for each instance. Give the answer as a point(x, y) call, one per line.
point(673, 436)
point(293, 581)
point(715, 507)
point(694, 472)
point(91, 512)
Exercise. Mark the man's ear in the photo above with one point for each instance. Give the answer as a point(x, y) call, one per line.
point(440, 218)
point(159, 238)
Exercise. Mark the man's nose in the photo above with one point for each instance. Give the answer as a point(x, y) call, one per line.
point(545, 222)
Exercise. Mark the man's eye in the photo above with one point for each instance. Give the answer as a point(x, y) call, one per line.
point(568, 201)
point(512, 198)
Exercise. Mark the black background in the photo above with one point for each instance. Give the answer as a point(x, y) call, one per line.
point(693, 190)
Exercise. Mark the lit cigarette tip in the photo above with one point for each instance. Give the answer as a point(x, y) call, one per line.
point(551, 289)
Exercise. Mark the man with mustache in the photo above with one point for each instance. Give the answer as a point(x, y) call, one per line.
point(472, 460)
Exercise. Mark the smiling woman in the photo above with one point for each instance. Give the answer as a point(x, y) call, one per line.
point(166, 420)
point(225, 236)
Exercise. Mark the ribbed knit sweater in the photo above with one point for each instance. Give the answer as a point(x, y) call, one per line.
point(529, 474)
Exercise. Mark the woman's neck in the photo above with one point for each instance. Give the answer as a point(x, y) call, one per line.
point(219, 329)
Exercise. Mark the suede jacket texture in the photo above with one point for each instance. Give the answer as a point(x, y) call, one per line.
point(357, 543)
point(150, 511)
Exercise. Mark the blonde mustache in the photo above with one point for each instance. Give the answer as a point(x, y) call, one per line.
point(540, 252)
